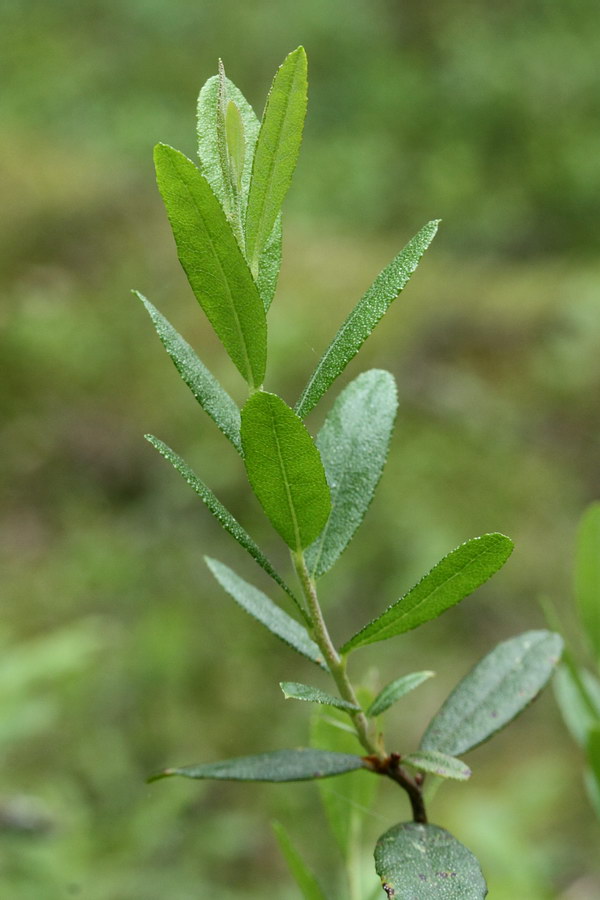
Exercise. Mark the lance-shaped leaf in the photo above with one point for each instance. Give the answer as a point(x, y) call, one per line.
point(229, 523)
point(494, 692)
point(292, 690)
point(304, 878)
point(439, 764)
point(577, 692)
point(426, 862)
point(364, 317)
point(210, 152)
point(353, 444)
point(284, 469)
point(266, 612)
point(278, 765)
point(213, 262)
point(276, 152)
point(236, 146)
point(587, 575)
point(213, 398)
point(396, 689)
point(450, 581)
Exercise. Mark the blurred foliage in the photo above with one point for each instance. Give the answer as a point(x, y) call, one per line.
point(116, 646)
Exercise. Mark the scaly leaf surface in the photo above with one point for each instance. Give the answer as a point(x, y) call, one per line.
point(494, 692)
point(436, 763)
point(213, 262)
point(292, 690)
point(425, 862)
point(278, 765)
point(364, 317)
point(353, 444)
point(450, 581)
point(284, 469)
point(395, 690)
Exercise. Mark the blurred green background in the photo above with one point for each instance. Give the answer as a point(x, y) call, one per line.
point(119, 653)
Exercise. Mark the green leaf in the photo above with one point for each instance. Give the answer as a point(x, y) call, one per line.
point(236, 146)
point(278, 765)
point(396, 689)
point(266, 612)
point(208, 150)
point(450, 581)
point(349, 801)
point(494, 692)
point(364, 317)
point(304, 878)
point(213, 262)
point(438, 764)
point(353, 444)
point(284, 469)
point(593, 749)
point(587, 575)
point(213, 398)
point(276, 152)
point(578, 698)
point(426, 862)
point(292, 690)
point(229, 523)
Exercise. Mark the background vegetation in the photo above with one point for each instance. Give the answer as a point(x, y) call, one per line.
point(119, 652)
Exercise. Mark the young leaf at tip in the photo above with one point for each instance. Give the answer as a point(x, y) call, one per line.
point(211, 396)
point(277, 765)
point(260, 607)
point(428, 863)
point(304, 878)
point(213, 262)
point(353, 444)
point(276, 153)
point(364, 317)
point(284, 469)
point(450, 581)
point(292, 690)
point(395, 690)
point(500, 686)
point(220, 512)
point(210, 153)
point(587, 575)
point(440, 764)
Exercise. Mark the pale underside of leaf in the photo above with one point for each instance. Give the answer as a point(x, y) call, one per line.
point(220, 512)
point(277, 765)
point(292, 690)
point(439, 764)
point(213, 262)
point(211, 396)
point(455, 577)
point(364, 317)
point(425, 862)
point(284, 469)
point(353, 444)
point(500, 686)
point(258, 605)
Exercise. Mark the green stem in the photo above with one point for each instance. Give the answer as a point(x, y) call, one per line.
point(336, 663)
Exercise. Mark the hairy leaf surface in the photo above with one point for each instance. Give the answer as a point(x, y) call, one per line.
point(450, 581)
point(426, 862)
point(276, 151)
point(213, 262)
point(353, 444)
point(494, 692)
point(284, 469)
point(292, 690)
point(396, 689)
point(278, 765)
point(587, 575)
point(364, 317)
point(229, 523)
point(266, 612)
point(211, 396)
